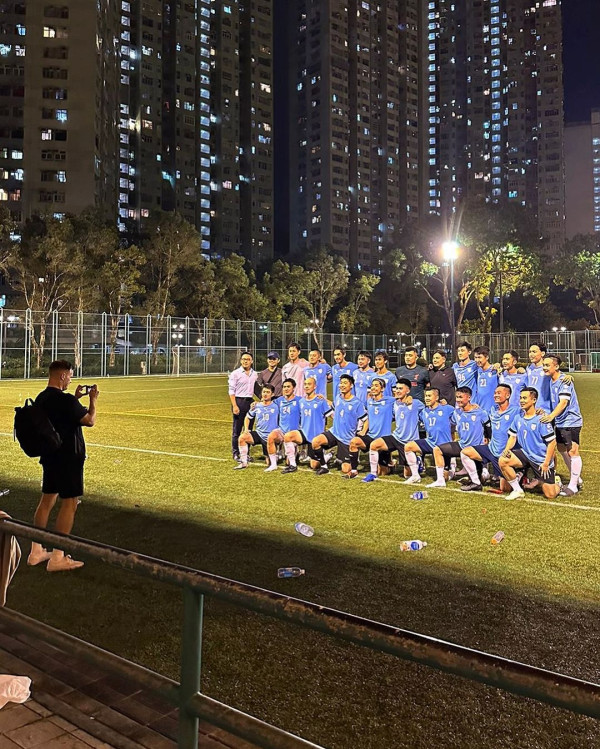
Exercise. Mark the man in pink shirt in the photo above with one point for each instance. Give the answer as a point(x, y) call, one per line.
point(294, 368)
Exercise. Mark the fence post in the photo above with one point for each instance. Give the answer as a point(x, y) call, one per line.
point(79, 355)
point(1, 338)
point(222, 344)
point(27, 351)
point(168, 347)
point(148, 342)
point(191, 666)
point(127, 347)
point(206, 342)
point(55, 330)
point(103, 344)
point(187, 345)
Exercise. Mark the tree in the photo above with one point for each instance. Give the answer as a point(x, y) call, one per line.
point(8, 229)
point(237, 288)
point(578, 268)
point(286, 288)
point(354, 315)
point(327, 281)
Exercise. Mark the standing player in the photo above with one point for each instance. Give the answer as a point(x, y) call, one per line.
point(438, 419)
point(465, 369)
point(318, 369)
point(294, 368)
point(349, 418)
point(537, 447)
point(314, 410)
point(383, 373)
point(568, 420)
point(471, 422)
point(341, 367)
point(289, 421)
point(265, 415)
point(487, 379)
point(407, 413)
point(442, 377)
point(241, 389)
point(418, 375)
point(380, 411)
point(511, 376)
point(534, 375)
point(363, 376)
point(502, 415)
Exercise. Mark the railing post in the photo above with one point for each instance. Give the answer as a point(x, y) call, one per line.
point(191, 666)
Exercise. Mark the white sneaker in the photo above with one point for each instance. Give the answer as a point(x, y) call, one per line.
point(485, 475)
point(412, 480)
point(38, 558)
point(63, 564)
point(438, 484)
point(515, 494)
point(270, 468)
point(240, 466)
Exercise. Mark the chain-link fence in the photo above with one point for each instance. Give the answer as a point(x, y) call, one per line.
point(102, 344)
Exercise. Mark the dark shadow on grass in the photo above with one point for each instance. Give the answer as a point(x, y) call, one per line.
point(334, 693)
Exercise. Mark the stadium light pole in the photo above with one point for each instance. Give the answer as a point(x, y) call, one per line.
point(450, 253)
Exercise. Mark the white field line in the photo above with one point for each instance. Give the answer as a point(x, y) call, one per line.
point(419, 487)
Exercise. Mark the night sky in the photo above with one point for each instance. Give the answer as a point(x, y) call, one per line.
point(581, 36)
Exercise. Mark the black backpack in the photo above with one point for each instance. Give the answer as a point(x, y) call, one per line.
point(34, 430)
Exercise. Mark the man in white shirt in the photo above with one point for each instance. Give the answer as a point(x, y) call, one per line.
point(241, 391)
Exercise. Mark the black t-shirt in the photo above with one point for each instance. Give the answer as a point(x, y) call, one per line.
point(65, 412)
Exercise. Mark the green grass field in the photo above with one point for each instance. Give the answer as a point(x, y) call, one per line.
point(159, 480)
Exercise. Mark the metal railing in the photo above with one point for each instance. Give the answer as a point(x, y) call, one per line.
point(552, 688)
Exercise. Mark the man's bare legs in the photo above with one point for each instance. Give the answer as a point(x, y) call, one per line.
point(64, 524)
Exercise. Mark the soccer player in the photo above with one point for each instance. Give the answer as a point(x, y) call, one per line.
point(241, 389)
point(314, 410)
point(363, 376)
point(487, 379)
point(471, 422)
point(438, 419)
point(465, 369)
point(265, 415)
point(537, 452)
point(318, 369)
point(383, 373)
point(289, 421)
point(511, 376)
point(407, 413)
point(294, 368)
point(340, 368)
point(502, 414)
point(418, 375)
point(380, 411)
point(568, 421)
point(534, 375)
point(442, 377)
point(349, 419)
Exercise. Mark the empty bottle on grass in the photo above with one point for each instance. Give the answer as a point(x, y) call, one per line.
point(497, 537)
point(290, 572)
point(305, 529)
point(412, 545)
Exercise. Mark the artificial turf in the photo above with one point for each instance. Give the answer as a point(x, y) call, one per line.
point(533, 598)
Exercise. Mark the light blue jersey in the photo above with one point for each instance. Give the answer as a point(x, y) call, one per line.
point(516, 382)
point(289, 413)
point(438, 424)
point(266, 418)
point(320, 372)
point(487, 382)
point(535, 378)
point(347, 418)
point(466, 375)
point(381, 415)
point(362, 382)
point(560, 390)
point(469, 426)
point(501, 422)
point(390, 380)
point(313, 414)
point(533, 437)
point(337, 372)
point(407, 420)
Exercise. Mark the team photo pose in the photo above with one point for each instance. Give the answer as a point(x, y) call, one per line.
point(417, 374)
point(383, 373)
point(318, 369)
point(487, 379)
point(266, 416)
point(438, 419)
point(289, 421)
point(363, 376)
point(341, 367)
point(511, 376)
point(314, 411)
point(380, 412)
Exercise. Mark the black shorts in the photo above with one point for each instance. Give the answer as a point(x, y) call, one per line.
point(385, 457)
point(568, 435)
point(343, 450)
point(535, 469)
point(393, 444)
point(450, 449)
point(424, 447)
point(258, 440)
point(64, 479)
point(310, 451)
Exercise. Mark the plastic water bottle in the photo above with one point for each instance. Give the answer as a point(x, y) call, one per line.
point(497, 537)
point(419, 495)
point(3, 492)
point(412, 545)
point(290, 572)
point(305, 529)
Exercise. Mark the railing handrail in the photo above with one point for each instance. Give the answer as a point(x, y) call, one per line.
point(523, 679)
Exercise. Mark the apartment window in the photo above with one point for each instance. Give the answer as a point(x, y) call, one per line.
point(59, 94)
point(56, 53)
point(57, 73)
point(56, 11)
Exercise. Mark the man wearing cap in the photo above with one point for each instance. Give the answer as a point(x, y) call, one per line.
point(270, 376)
point(241, 388)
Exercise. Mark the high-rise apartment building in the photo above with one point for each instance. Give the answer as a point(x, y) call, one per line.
point(582, 176)
point(353, 125)
point(137, 105)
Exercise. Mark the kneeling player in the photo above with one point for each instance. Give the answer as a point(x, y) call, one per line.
point(314, 410)
point(539, 446)
point(265, 415)
point(289, 420)
point(380, 411)
point(349, 416)
point(437, 418)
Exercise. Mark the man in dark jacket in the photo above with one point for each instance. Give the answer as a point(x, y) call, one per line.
point(442, 377)
point(270, 376)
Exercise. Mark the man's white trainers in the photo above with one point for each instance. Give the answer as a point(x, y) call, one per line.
point(270, 468)
point(412, 480)
point(515, 494)
point(436, 485)
point(38, 557)
point(62, 564)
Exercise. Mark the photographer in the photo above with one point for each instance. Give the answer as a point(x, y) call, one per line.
point(62, 469)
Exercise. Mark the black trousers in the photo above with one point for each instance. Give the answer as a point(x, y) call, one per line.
point(238, 422)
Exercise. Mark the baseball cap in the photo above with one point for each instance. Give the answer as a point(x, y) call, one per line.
point(273, 355)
